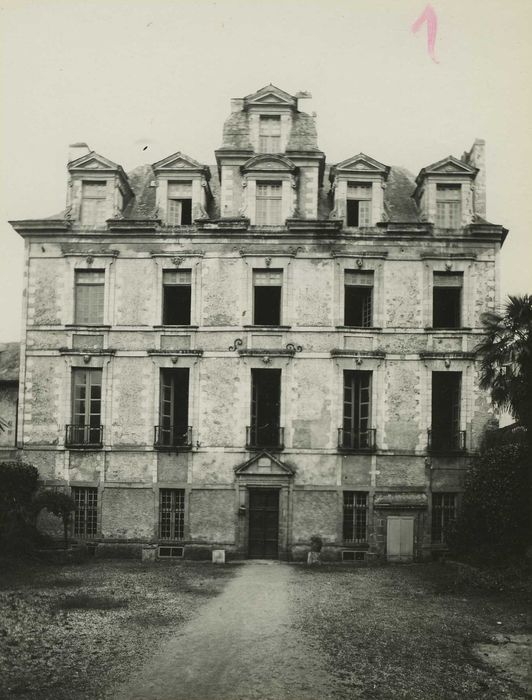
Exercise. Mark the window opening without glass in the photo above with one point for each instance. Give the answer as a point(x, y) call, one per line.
point(177, 294)
point(267, 286)
point(358, 298)
point(447, 299)
point(445, 432)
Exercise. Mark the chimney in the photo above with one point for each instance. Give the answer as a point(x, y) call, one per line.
point(237, 104)
point(76, 150)
point(477, 158)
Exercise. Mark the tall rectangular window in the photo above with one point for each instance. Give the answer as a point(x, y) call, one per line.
point(447, 299)
point(171, 514)
point(270, 134)
point(86, 513)
point(177, 293)
point(267, 287)
point(355, 519)
point(86, 428)
point(173, 429)
point(89, 288)
point(358, 204)
point(269, 203)
point(179, 207)
point(443, 513)
point(448, 206)
point(265, 430)
point(446, 395)
point(356, 432)
point(358, 298)
point(93, 201)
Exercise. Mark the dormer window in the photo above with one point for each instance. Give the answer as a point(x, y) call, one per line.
point(448, 206)
point(269, 203)
point(93, 201)
point(270, 134)
point(358, 206)
point(179, 211)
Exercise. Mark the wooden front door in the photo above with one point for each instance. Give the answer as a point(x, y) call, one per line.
point(263, 523)
point(400, 538)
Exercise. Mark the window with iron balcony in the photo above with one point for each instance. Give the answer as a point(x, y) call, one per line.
point(86, 430)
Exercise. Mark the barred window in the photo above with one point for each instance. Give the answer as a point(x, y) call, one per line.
point(269, 203)
point(89, 297)
point(93, 199)
point(171, 514)
point(448, 206)
point(355, 516)
point(86, 513)
point(443, 513)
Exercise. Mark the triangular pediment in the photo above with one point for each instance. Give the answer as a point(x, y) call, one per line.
point(178, 161)
point(269, 162)
point(449, 166)
point(93, 161)
point(264, 464)
point(270, 95)
point(362, 163)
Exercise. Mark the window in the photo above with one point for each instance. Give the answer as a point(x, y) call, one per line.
point(443, 513)
point(173, 429)
point(445, 433)
point(356, 433)
point(86, 513)
point(267, 285)
point(355, 516)
point(265, 430)
point(88, 297)
point(86, 428)
point(270, 134)
point(171, 514)
point(93, 201)
point(447, 299)
point(269, 203)
point(177, 291)
point(358, 297)
point(358, 204)
point(448, 206)
point(179, 210)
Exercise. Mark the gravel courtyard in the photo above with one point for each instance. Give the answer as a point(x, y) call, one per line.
point(174, 631)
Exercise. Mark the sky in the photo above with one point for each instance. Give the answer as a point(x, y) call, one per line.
point(138, 81)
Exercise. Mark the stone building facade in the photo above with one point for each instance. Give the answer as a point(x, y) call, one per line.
point(242, 355)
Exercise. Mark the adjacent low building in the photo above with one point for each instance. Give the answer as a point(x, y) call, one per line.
point(239, 356)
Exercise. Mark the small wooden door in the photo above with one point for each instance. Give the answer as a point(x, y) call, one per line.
point(400, 538)
point(263, 523)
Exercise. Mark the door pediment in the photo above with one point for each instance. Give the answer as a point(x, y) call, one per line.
point(264, 464)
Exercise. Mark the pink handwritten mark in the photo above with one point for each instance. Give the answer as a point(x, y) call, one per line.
point(429, 16)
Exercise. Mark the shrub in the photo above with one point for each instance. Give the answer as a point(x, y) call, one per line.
point(18, 484)
point(60, 504)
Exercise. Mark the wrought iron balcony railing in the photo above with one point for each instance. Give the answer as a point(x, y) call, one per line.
point(446, 440)
point(84, 436)
point(260, 437)
point(359, 440)
point(173, 437)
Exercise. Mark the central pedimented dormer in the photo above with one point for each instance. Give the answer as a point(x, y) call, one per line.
point(182, 191)
point(357, 187)
point(269, 123)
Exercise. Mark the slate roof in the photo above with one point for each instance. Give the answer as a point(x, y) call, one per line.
point(9, 362)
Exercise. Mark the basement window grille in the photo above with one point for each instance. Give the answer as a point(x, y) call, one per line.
point(171, 552)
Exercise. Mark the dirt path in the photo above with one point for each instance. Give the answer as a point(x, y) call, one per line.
point(240, 646)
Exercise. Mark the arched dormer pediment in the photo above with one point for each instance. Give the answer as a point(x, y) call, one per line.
point(269, 164)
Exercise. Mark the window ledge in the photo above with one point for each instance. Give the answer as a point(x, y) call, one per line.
point(358, 328)
point(92, 326)
point(435, 329)
point(176, 326)
point(267, 328)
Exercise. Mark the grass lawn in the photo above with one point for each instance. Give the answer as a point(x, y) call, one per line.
point(407, 631)
point(75, 631)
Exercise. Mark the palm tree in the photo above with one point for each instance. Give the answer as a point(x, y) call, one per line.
point(506, 358)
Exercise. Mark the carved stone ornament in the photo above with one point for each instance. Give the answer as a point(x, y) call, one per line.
point(360, 262)
point(266, 359)
point(89, 259)
point(294, 348)
point(267, 262)
point(448, 266)
point(86, 359)
point(236, 344)
point(178, 260)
